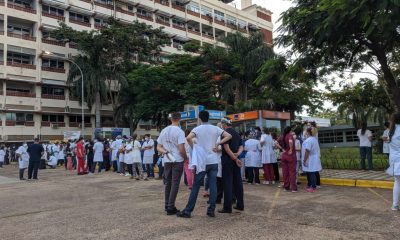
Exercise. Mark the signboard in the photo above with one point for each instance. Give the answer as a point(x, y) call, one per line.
point(253, 115)
point(110, 132)
point(275, 115)
point(321, 122)
point(188, 115)
point(214, 114)
point(71, 135)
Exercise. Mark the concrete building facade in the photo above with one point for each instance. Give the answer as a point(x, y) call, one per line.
point(34, 96)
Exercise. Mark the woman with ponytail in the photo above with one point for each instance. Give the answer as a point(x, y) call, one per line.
point(365, 137)
point(288, 161)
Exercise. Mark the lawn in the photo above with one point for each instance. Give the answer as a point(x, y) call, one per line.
point(349, 158)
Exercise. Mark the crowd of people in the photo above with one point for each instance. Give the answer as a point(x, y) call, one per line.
point(216, 157)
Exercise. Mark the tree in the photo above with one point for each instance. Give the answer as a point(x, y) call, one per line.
point(362, 102)
point(346, 34)
point(242, 57)
point(106, 55)
point(152, 92)
point(287, 86)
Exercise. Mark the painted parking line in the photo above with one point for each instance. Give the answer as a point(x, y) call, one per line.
point(379, 195)
point(276, 197)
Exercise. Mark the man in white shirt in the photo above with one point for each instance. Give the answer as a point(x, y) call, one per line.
point(171, 144)
point(207, 138)
point(115, 145)
point(365, 137)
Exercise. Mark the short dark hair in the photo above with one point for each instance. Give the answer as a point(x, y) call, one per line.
point(175, 116)
point(36, 139)
point(204, 116)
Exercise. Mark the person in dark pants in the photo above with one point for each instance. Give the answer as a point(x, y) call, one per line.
point(231, 164)
point(35, 151)
point(275, 165)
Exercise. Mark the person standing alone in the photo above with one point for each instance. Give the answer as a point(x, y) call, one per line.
point(365, 137)
point(35, 151)
point(171, 143)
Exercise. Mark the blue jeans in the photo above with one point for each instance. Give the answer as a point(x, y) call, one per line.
point(211, 172)
point(366, 152)
point(148, 168)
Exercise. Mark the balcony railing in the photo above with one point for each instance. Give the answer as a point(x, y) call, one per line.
point(243, 30)
point(86, 24)
point(147, 17)
point(119, 9)
point(55, 124)
point(179, 27)
point(61, 18)
point(52, 69)
point(1, 32)
point(75, 124)
point(194, 32)
point(53, 42)
point(177, 7)
point(21, 65)
point(20, 94)
point(21, 36)
point(104, 5)
point(73, 45)
point(193, 13)
point(162, 2)
point(207, 17)
point(208, 36)
point(231, 25)
point(162, 22)
point(51, 96)
point(1, 62)
point(45, 124)
point(2, 3)
point(29, 124)
point(220, 22)
point(21, 8)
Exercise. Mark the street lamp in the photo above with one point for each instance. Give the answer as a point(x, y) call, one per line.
point(48, 53)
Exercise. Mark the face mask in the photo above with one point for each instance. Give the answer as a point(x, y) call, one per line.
point(147, 139)
point(25, 145)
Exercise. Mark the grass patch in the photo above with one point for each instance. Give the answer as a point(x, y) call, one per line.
point(349, 158)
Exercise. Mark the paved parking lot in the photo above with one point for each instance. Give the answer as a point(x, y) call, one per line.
point(62, 205)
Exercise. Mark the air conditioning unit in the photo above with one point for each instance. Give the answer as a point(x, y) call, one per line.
point(180, 47)
point(54, 126)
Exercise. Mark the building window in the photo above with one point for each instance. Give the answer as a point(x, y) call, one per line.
point(53, 63)
point(53, 118)
point(18, 89)
point(19, 58)
point(19, 30)
point(178, 23)
point(50, 90)
point(330, 137)
point(230, 20)
point(163, 18)
point(22, 3)
point(220, 16)
point(143, 12)
point(241, 24)
point(206, 11)
point(53, 11)
point(78, 119)
point(19, 118)
point(78, 17)
point(351, 136)
point(130, 8)
point(193, 7)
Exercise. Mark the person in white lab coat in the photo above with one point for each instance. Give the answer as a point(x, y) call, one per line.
point(115, 145)
point(268, 157)
point(52, 162)
point(148, 154)
point(385, 138)
point(98, 155)
point(2, 156)
point(60, 156)
point(23, 160)
point(394, 158)
point(311, 158)
point(137, 159)
point(253, 158)
point(128, 159)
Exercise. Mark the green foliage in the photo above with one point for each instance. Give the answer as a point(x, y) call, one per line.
point(343, 34)
point(153, 92)
point(362, 102)
point(192, 46)
point(287, 87)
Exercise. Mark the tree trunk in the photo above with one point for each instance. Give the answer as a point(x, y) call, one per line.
point(97, 110)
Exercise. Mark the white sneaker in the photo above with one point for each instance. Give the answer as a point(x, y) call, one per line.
point(395, 208)
point(127, 175)
point(121, 174)
point(265, 183)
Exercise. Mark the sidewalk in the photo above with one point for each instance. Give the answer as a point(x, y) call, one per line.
point(355, 178)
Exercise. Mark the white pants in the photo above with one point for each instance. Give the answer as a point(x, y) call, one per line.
point(396, 190)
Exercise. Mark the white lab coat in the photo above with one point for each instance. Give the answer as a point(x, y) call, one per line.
point(61, 154)
point(137, 158)
point(23, 161)
point(121, 155)
point(128, 159)
point(115, 145)
point(198, 159)
point(253, 155)
point(53, 161)
point(98, 148)
point(2, 155)
point(314, 161)
point(148, 154)
point(386, 148)
point(267, 150)
point(394, 157)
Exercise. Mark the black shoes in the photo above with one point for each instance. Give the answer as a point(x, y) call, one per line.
point(172, 211)
point(238, 208)
point(224, 211)
point(211, 214)
point(183, 214)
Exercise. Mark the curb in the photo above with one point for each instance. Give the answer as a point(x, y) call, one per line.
point(355, 182)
